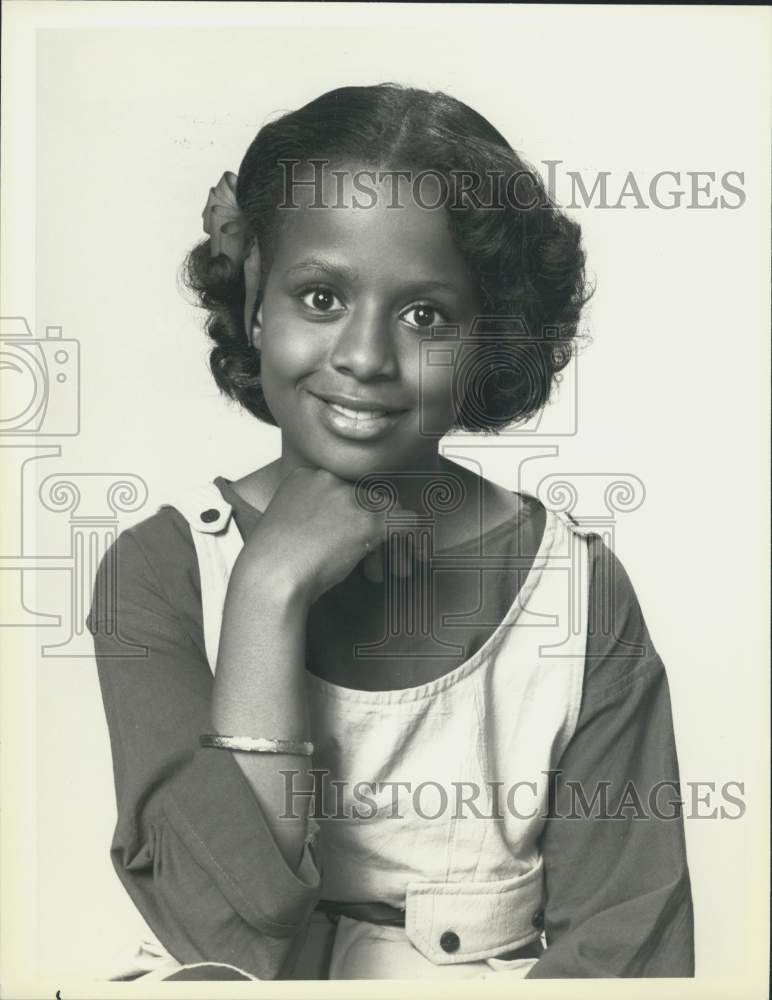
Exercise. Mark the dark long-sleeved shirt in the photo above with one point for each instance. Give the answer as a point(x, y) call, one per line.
point(197, 857)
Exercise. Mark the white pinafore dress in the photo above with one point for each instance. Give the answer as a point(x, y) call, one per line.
point(441, 789)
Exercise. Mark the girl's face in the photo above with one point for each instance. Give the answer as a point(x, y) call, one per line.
point(350, 294)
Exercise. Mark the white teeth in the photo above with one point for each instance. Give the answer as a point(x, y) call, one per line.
point(357, 414)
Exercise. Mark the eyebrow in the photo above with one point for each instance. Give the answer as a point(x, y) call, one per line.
point(328, 267)
point(350, 274)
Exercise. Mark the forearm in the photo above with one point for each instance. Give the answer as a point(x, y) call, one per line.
point(260, 690)
point(192, 844)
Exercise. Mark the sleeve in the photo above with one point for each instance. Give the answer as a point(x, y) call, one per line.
point(191, 845)
point(618, 893)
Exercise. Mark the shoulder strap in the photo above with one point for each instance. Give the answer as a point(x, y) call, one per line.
point(561, 604)
point(218, 542)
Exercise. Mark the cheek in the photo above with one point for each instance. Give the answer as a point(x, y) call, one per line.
point(286, 352)
point(435, 381)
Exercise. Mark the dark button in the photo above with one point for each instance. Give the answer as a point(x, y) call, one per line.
point(209, 515)
point(450, 941)
point(537, 920)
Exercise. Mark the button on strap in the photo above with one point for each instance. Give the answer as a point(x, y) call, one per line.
point(453, 922)
point(204, 508)
point(450, 942)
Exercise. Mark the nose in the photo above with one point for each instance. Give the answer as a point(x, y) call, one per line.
point(365, 347)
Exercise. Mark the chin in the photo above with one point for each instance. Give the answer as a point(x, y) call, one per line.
point(353, 469)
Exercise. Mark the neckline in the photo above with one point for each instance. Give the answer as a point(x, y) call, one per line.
point(463, 670)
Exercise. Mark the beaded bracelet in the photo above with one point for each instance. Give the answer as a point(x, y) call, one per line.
point(256, 744)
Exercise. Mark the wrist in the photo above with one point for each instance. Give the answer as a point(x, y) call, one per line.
point(267, 586)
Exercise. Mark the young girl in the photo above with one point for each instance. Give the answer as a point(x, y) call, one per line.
point(394, 721)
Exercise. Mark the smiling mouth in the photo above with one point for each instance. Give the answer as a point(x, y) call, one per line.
point(358, 415)
point(356, 424)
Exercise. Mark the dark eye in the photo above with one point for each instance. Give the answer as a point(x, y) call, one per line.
point(321, 300)
point(423, 316)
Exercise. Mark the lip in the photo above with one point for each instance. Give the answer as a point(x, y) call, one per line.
point(352, 428)
point(355, 403)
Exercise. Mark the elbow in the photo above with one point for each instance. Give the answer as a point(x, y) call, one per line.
point(201, 912)
point(132, 850)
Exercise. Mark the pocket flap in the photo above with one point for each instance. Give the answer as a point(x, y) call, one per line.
point(453, 922)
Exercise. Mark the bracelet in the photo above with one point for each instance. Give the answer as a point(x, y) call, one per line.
point(256, 744)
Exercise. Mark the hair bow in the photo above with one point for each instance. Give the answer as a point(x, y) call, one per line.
point(224, 224)
point(226, 228)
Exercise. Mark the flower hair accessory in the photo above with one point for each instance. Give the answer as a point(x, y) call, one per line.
point(224, 224)
point(226, 228)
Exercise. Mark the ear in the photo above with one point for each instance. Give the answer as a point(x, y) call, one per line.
point(251, 286)
point(255, 331)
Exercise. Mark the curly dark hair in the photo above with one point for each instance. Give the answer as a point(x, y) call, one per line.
point(526, 256)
